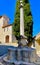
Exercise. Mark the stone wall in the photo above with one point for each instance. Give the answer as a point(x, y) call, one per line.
point(5, 31)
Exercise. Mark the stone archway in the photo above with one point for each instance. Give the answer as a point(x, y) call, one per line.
point(7, 39)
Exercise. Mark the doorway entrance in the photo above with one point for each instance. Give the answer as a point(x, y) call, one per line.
point(7, 39)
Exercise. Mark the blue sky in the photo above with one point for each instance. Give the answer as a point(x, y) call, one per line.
point(35, 9)
point(8, 7)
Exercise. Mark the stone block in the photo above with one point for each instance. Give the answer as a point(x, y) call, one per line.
point(19, 54)
point(11, 54)
point(33, 56)
point(26, 55)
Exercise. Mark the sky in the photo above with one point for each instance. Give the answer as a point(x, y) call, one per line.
point(35, 9)
point(8, 8)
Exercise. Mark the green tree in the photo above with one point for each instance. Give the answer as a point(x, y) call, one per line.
point(28, 24)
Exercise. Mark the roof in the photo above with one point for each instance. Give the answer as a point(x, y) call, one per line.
point(7, 18)
point(4, 16)
point(6, 25)
point(0, 16)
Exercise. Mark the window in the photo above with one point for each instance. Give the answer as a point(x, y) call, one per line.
point(4, 29)
point(7, 28)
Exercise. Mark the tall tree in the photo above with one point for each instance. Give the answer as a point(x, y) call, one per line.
point(28, 24)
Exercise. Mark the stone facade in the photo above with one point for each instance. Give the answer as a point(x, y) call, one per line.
point(36, 43)
point(6, 35)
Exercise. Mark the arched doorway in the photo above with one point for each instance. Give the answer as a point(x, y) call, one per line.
point(7, 39)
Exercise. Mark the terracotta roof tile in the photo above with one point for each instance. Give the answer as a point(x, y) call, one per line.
point(6, 25)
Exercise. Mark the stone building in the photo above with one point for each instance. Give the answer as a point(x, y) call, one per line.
point(6, 35)
point(36, 43)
